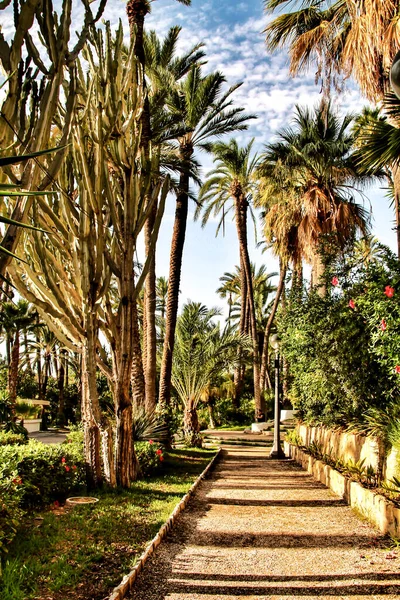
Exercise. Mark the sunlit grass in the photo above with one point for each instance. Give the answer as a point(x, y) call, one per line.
point(89, 548)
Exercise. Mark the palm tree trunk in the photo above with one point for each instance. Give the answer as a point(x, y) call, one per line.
point(138, 382)
point(238, 376)
point(13, 372)
point(26, 353)
point(318, 271)
point(174, 279)
point(241, 227)
point(150, 297)
point(396, 184)
point(47, 364)
point(191, 425)
point(264, 356)
point(61, 382)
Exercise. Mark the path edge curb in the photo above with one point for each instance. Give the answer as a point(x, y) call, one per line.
point(128, 580)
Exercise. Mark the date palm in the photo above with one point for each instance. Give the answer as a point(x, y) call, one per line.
point(206, 112)
point(229, 187)
point(163, 69)
point(202, 352)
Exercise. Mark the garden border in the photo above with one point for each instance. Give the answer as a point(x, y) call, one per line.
point(377, 509)
point(128, 580)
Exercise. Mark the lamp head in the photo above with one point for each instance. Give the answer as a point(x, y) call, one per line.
point(274, 341)
point(395, 75)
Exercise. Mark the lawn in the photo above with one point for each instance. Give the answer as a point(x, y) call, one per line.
point(82, 553)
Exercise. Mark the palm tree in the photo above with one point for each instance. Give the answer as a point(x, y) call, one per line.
point(205, 113)
point(341, 37)
point(307, 185)
point(202, 351)
point(232, 180)
point(163, 70)
point(378, 141)
point(321, 181)
point(14, 318)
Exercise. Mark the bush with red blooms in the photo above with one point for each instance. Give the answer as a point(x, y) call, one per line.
point(342, 346)
point(150, 456)
point(47, 472)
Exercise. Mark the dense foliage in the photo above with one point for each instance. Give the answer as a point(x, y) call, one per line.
point(342, 346)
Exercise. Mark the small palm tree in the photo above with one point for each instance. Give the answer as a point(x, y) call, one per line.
point(202, 351)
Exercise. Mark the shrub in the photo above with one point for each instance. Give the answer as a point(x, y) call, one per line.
point(8, 438)
point(150, 457)
point(10, 511)
point(47, 472)
point(342, 349)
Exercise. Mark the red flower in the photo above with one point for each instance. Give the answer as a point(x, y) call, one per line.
point(74, 467)
point(389, 291)
point(335, 280)
point(352, 304)
point(56, 504)
point(63, 460)
point(161, 458)
point(66, 467)
point(17, 481)
point(151, 442)
point(383, 325)
point(397, 369)
point(159, 452)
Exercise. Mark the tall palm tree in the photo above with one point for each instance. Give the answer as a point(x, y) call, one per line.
point(14, 318)
point(206, 112)
point(343, 38)
point(322, 180)
point(232, 181)
point(308, 179)
point(378, 141)
point(163, 69)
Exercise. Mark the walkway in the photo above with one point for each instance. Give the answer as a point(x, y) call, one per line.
point(52, 436)
point(262, 529)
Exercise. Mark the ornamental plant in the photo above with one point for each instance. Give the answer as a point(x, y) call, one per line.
point(343, 347)
point(47, 472)
point(150, 456)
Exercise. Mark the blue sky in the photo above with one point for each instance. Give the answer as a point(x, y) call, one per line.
point(234, 43)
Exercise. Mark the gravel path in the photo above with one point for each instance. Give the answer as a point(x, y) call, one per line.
point(263, 529)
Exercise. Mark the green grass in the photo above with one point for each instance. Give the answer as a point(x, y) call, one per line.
point(83, 552)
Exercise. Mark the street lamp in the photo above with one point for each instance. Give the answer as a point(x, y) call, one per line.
point(276, 451)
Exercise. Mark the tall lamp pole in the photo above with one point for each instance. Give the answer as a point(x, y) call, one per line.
point(276, 451)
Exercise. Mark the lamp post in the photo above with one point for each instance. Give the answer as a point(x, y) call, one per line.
point(276, 451)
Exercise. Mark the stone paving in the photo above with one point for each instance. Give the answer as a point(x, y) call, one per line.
point(262, 529)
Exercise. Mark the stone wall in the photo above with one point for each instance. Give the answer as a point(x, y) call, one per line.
point(350, 446)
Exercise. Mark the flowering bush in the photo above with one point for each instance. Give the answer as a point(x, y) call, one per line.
point(47, 472)
point(343, 348)
point(150, 457)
